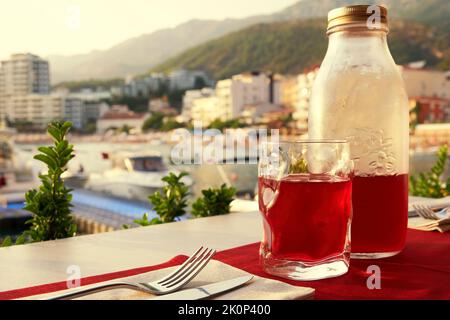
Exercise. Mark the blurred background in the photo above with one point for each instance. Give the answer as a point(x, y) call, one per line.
point(126, 74)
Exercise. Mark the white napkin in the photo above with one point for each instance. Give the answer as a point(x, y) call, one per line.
point(419, 223)
point(432, 203)
point(258, 289)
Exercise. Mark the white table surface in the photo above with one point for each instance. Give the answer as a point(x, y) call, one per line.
point(47, 262)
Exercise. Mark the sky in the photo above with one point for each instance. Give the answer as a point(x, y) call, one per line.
point(66, 27)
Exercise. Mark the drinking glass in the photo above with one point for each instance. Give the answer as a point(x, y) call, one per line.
point(304, 195)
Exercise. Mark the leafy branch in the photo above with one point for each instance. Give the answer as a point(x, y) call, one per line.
point(170, 203)
point(214, 202)
point(50, 204)
point(430, 184)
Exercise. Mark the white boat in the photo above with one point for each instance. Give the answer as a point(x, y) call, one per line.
point(75, 180)
point(132, 176)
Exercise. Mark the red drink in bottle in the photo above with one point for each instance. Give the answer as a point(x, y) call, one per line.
point(379, 220)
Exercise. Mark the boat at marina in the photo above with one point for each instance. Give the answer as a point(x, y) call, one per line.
point(132, 176)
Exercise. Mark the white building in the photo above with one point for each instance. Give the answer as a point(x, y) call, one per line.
point(92, 95)
point(40, 109)
point(138, 87)
point(426, 83)
point(24, 73)
point(25, 97)
point(118, 117)
point(247, 89)
point(188, 100)
point(155, 81)
point(253, 114)
point(206, 110)
point(81, 112)
point(305, 82)
point(183, 79)
point(35, 108)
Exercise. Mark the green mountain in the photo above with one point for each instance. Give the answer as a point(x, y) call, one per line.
point(146, 51)
point(290, 47)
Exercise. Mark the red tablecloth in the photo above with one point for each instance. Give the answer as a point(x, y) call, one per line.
point(62, 285)
point(421, 271)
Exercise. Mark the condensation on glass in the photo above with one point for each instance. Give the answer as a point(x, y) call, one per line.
point(359, 96)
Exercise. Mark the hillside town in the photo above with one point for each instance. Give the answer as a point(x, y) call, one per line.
point(28, 102)
point(205, 150)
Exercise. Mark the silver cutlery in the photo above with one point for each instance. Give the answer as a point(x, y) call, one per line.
point(427, 213)
point(171, 283)
point(207, 291)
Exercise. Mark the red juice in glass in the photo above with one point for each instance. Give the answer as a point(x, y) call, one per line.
point(305, 200)
point(380, 206)
point(308, 219)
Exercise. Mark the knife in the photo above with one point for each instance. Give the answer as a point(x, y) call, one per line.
point(206, 291)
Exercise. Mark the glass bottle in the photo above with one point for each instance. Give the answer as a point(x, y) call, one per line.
point(359, 96)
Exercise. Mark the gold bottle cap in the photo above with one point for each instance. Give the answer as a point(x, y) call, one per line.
point(369, 17)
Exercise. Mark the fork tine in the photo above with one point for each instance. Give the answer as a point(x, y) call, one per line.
point(183, 266)
point(418, 210)
point(186, 270)
point(434, 215)
point(425, 212)
point(189, 276)
point(429, 213)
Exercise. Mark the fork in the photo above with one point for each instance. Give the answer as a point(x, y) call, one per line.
point(171, 283)
point(427, 213)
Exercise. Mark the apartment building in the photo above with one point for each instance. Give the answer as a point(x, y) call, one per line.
point(89, 95)
point(24, 73)
point(206, 110)
point(82, 112)
point(24, 91)
point(422, 82)
point(40, 109)
point(188, 101)
point(305, 82)
point(247, 89)
point(183, 79)
point(138, 87)
point(35, 108)
point(289, 91)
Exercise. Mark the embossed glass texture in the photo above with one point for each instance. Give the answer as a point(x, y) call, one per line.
point(304, 196)
point(359, 96)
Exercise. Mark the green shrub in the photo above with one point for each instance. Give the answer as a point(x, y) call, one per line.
point(50, 204)
point(172, 201)
point(430, 184)
point(214, 202)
